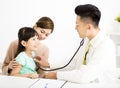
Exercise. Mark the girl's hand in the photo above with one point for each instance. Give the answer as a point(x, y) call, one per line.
point(33, 76)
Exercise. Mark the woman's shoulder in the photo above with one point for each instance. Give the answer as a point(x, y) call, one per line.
point(13, 46)
point(14, 42)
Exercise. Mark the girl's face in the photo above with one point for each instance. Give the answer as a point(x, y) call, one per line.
point(31, 44)
point(43, 33)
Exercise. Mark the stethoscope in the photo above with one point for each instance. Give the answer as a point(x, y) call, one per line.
point(81, 43)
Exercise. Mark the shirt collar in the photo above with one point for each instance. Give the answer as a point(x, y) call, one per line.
point(97, 39)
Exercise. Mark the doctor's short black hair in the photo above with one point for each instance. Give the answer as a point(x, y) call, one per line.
point(89, 11)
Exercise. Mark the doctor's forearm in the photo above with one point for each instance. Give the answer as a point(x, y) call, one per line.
point(51, 75)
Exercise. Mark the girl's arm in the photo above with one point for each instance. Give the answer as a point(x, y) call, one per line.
point(15, 72)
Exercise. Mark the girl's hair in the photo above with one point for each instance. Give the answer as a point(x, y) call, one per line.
point(24, 33)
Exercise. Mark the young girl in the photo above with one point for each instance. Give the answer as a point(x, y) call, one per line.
point(28, 43)
point(44, 27)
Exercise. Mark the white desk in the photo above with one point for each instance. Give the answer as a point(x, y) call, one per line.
point(93, 85)
point(15, 82)
point(20, 82)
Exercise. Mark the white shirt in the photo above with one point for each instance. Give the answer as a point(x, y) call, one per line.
point(101, 63)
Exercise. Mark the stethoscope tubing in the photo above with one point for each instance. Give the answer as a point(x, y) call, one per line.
point(81, 43)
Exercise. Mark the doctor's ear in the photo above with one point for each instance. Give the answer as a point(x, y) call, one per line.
point(89, 26)
point(23, 43)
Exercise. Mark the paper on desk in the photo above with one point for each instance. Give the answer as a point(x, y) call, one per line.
point(48, 83)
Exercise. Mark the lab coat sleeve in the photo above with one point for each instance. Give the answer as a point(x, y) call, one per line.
point(80, 75)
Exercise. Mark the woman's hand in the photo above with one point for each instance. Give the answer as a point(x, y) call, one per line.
point(13, 64)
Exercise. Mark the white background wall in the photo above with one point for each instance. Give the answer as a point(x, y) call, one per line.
point(15, 14)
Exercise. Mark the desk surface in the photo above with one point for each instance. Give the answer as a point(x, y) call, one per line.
point(21, 82)
point(15, 82)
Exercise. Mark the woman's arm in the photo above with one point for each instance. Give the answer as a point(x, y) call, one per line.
point(7, 64)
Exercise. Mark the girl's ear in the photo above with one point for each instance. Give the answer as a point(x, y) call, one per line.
point(23, 43)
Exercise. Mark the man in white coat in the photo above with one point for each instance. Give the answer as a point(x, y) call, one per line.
point(100, 63)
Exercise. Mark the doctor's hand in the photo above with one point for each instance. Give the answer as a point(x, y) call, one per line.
point(42, 62)
point(51, 75)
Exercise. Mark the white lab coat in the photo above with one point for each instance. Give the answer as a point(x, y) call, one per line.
point(101, 63)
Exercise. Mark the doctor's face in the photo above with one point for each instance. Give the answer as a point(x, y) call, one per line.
point(80, 27)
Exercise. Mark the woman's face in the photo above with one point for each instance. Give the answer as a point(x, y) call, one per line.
point(43, 33)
